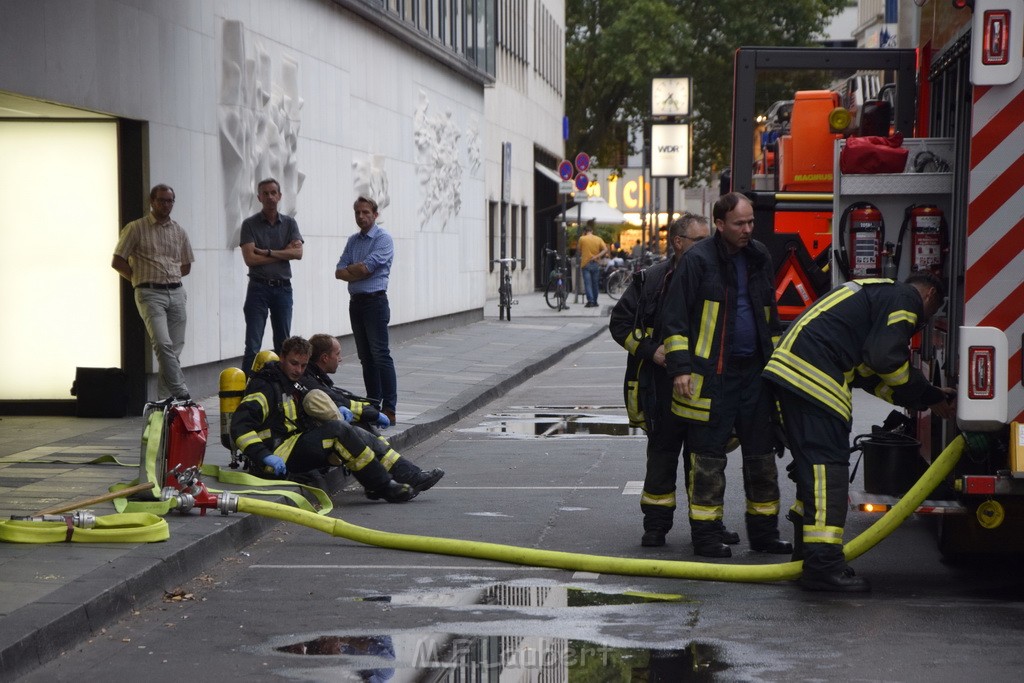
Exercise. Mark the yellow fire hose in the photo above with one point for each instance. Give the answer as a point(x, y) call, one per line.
point(14, 531)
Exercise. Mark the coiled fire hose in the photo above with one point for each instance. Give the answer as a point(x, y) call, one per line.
point(934, 475)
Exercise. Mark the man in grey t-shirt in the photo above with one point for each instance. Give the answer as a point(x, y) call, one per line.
point(269, 241)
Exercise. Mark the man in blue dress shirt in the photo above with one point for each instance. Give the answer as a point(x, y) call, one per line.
point(365, 265)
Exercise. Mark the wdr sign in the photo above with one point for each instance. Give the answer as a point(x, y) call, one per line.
point(670, 150)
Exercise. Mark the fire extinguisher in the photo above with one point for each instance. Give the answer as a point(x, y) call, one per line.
point(861, 229)
point(929, 240)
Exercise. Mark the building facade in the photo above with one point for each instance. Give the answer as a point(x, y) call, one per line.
point(403, 100)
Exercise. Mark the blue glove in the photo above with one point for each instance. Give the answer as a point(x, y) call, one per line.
point(275, 463)
point(346, 414)
point(383, 421)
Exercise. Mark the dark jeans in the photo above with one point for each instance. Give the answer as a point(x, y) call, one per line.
point(592, 281)
point(261, 299)
point(370, 315)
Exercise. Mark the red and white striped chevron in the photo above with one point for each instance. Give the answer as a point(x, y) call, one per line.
point(994, 281)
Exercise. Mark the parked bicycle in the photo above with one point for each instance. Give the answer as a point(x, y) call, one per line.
point(622, 276)
point(557, 291)
point(505, 300)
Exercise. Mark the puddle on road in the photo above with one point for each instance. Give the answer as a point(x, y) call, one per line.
point(568, 421)
point(448, 658)
point(452, 657)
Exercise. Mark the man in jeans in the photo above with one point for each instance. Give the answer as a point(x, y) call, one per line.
point(153, 253)
point(592, 249)
point(365, 265)
point(269, 242)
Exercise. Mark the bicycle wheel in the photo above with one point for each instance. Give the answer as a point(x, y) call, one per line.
point(618, 282)
point(561, 294)
point(506, 300)
point(549, 293)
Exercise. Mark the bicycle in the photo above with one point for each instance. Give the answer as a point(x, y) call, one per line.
point(557, 291)
point(505, 300)
point(621, 278)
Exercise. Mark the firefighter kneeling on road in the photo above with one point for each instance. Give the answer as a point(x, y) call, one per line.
point(274, 428)
point(857, 335)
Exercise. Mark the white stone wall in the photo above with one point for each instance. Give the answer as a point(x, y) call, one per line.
point(356, 122)
point(524, 110)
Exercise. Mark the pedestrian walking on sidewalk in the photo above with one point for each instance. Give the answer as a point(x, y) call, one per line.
point(592, 249)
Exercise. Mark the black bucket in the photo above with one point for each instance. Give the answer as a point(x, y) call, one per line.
point(892, 462)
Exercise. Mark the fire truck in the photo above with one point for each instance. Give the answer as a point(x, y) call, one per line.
point(955, 207)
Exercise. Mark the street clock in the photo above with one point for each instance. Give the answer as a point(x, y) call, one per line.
point(670, 96)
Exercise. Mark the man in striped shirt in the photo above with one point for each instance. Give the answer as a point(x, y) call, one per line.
point(153, 253)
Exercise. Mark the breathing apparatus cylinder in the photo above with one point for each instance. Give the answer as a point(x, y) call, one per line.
point(262, 358)
point(232, 388)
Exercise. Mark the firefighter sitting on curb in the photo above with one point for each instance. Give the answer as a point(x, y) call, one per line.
point(272, 427)
point(362, 415)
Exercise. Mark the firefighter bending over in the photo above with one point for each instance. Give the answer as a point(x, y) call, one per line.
point(857, 335)
point(274, 426)
point(362, 415)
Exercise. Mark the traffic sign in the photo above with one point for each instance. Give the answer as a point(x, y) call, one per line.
point(565, 187)
point(565, 169)
point(582, 182)
point(582, 162)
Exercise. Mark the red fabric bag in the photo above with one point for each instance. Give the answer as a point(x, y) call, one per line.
point(873, 154)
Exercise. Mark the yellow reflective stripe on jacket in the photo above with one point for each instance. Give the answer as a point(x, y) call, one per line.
point(633, 340)
point(633, 410)
point(706, 336)
point(667, 500)
point(832, 299)
point(246, 440)
point(902, 317)
point(802, 375)
point(676, 342)
point(260, 400)
point(897, 377)
point(696, 407)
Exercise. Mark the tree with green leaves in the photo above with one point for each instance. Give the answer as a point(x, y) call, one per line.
point(615, 47)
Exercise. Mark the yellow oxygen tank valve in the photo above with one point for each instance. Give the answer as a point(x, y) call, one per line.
point(262, 358)
point(232, 389)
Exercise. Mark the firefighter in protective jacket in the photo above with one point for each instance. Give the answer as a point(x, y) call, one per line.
point(857, 335)
point(361, 415)
point(636, 325)
point(275, 431)
point(721, 322)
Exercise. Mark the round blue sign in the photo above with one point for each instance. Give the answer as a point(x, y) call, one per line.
point(582, 182)
point(565, 170)
point(582, 162)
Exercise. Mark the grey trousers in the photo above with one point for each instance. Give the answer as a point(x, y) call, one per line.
point(163, 313)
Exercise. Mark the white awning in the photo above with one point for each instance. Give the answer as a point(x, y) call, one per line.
point(547, 172)
point(592, 208)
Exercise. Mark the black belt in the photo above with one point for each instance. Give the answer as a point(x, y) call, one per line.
point(367, 295)
point(271, 282)
point(154, 285)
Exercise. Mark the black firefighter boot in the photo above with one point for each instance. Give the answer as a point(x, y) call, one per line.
point(761, 483)
point(378, 483)
point(405, 472)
